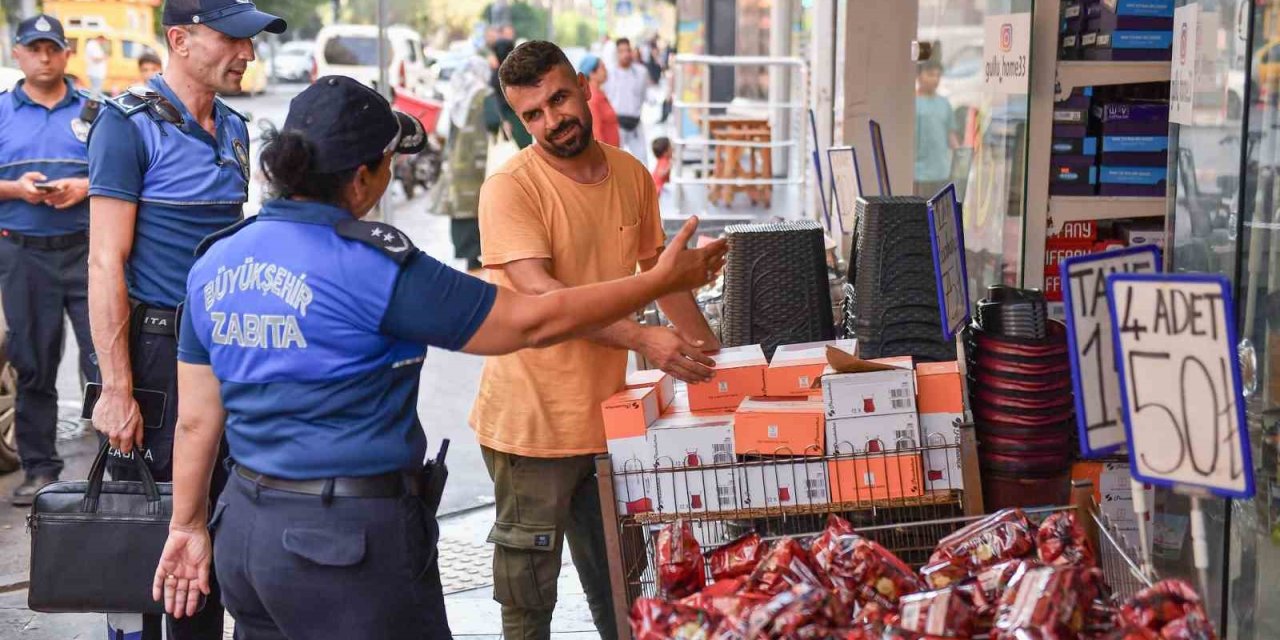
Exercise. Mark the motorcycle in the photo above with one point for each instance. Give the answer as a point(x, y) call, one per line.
point(422, 169)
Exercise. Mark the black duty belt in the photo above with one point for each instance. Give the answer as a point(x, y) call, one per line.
point(46, 243)
point(158, 321)
point(387, 485)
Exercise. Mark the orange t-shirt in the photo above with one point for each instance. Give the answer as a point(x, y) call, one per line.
point(546, 402)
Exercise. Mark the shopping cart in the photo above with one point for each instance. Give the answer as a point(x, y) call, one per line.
point(908, 525)
point(426, 111)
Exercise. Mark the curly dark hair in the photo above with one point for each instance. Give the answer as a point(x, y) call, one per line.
point(527, 63)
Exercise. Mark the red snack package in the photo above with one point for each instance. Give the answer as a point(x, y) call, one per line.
point(786, 565)
point(820, 549)
point(681, 569)
point(1062, 541)
point(1047, 603)
point(989, 585)
point(654, 619)
point(1192, 627)
point(802, 611)
point(738, 558)
point(946, 612)
point(1004, 535)
point(862, 571)
point(1164, 602)
point(724, 599)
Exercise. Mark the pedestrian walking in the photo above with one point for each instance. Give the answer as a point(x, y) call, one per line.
point(604, 120)
point(567, 211)
point(95, 64)
point(628, 87)
point(466, 153)
point(44, 219)
point(308, 353)
point(168, 165)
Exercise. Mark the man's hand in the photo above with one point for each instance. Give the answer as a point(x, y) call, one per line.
point(116, 416)
point(183, 573)
point(68, 192)
point(27, 187)
point(666, 349)
point(684, 269)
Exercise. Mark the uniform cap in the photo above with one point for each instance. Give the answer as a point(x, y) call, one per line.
point(41, 27)
point(235, 18)
point(348, 124)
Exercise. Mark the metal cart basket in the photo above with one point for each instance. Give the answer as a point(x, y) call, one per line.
point(868, 485)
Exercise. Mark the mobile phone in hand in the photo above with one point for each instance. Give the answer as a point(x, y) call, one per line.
point(45, 187)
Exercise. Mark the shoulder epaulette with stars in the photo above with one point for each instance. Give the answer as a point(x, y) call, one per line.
point(387, 239)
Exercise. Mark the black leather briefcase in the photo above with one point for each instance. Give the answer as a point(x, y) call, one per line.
point(95, 545)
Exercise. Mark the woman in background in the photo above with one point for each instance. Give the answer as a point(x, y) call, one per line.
point(604, 120)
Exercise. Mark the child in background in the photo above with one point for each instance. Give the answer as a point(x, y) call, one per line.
point(148, 65)
point(662, 170)
point(936, 132)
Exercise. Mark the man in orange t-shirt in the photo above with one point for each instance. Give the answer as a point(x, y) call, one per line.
point(563, 212)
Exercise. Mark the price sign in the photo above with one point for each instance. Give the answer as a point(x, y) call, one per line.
point(946, 235)
point(1180, 387)
point(847, 182)
point(1092, 350)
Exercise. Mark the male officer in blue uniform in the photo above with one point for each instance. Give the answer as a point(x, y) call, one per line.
point(168, 165)
point(44, 217)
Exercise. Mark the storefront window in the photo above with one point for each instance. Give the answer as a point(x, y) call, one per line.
point(972, 136)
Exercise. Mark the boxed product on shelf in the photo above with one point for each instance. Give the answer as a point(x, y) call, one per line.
point(940, 397)
point(1069, 46)
point(873, 434)
point(1118, 15)
point(1072, 176)
point(1137, 234)
point(1135, 151)
point(795, 367)
point(1130, 46)
point(1075, 230)
point(855, 395)
point(1132, 181)
point(1073, 20)
point(630, 412)
point(1087, 146)
point(1063, 114)
point(1108, 244)
point(878, 477)
point(1133, 118)
point(681, 448)
point(1113, 492)
point(739, 375)
point(659, 380)
point(686, 489)
point(778, 426)
point(782, 483)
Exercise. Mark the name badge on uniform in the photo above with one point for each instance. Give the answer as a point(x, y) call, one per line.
point(81, 129)
point(242, 156)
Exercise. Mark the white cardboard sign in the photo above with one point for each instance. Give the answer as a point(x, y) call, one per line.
point(1006, 53)
point(946, 235)
point(1180, 381)
point(1092, 350)
point(847, 183)
point(1182, 72)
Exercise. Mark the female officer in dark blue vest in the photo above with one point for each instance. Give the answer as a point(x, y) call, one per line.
point(303, 334)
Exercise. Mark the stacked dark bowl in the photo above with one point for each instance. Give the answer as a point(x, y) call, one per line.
point(776, 286)
point(893, 309)
point(1020, 391)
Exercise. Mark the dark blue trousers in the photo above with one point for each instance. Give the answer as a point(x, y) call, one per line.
point(39, 287)
point(293, 566)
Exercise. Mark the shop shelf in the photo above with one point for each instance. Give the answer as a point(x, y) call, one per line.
point(1071, 208)
point(1095, 73)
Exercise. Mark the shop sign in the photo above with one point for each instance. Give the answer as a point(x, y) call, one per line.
point(1182, 74)
point(1090, 345)
point(1180, 385)
point(1006, 53)
point(946, 235)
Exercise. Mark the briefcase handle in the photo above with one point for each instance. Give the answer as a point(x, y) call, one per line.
point(90, 502)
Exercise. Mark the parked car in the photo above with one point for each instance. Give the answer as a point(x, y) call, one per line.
point(352, 50)
point(293, 61)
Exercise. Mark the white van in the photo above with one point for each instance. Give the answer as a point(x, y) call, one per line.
point(352, 50)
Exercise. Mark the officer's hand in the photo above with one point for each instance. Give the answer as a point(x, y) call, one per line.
point(116, 416)
point(680, 357)
point(688, 269)
point(68, 192)
point(183, 573)
point(30, 194)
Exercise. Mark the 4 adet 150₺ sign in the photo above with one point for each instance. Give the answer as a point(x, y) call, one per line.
point(1006, 53)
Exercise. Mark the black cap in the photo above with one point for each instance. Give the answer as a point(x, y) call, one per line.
point(42, 27)
point(236, 18)
point(350, 124)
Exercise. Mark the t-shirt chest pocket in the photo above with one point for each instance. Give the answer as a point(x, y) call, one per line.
point(628, 243)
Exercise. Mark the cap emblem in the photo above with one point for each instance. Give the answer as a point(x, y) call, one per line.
point(43, 25)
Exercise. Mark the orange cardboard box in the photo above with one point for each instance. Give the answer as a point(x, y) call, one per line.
point(779, 426)
point(940, 401)
point(665, 384)
point(796, 367)
point(879, 477)
point(739, 375)
point(629, 413)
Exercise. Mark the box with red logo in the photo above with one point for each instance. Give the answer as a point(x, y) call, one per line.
point(873, 433)
point(629, 412)
point(684, 448)
point(778, 426)
point(782, 483)
point(795, 367)
point(940, 397)
point(657, 379)
point(739, 375)
point(878, 477)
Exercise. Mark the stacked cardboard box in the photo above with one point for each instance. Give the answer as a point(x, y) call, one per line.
point(1073, 152)
point(1137, 135)
point(1128, 30)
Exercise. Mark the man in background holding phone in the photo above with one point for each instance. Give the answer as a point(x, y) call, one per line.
point(44, 245)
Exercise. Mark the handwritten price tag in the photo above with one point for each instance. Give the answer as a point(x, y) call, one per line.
point(946, 235)
point(1175, 339)
point(1092, 350)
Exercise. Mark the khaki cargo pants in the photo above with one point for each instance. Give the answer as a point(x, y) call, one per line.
point(540, 502)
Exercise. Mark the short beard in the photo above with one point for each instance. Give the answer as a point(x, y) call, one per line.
point(575, 147)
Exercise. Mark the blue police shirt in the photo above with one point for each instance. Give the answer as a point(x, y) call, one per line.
point(319, 340)
point(51, 141)
point(186, 183)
